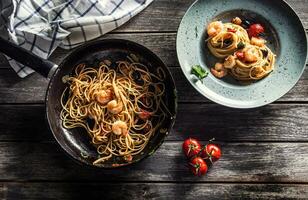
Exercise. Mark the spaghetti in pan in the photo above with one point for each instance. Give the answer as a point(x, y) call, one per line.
point(120, 106)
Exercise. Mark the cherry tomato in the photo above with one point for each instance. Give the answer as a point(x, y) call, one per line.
point(198, 166)
point(240, 55)
point(255, 30)
point(144, 114)
point(211, 151)
point(191, 147)
point(231, 30)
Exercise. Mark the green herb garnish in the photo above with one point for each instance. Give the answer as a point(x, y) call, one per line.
point(198, 71)
point(241, 45)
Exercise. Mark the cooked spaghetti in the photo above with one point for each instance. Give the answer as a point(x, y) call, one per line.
point(226, 42)
point(120, 107)
point(261, 67)
point(246, 56)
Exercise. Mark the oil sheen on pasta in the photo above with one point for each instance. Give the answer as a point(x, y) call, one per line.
point(244, 57)
point(120, 107)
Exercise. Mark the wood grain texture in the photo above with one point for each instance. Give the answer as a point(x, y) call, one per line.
point(130, 191)
point(166, 15)
point(162, 44)
point(241, 162)
point(260, 146)
point(278, 122)
point(32, 88)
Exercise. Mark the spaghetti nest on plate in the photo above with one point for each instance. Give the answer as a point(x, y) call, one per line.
point(245, 55)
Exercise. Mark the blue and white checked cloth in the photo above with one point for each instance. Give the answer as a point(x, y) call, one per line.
point(42, 25)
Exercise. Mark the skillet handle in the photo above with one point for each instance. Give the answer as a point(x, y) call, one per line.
point(44, 67)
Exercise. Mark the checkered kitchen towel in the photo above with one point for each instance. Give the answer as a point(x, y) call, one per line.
point(42, 25)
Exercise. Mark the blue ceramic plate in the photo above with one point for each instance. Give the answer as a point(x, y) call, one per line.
point(286, 37)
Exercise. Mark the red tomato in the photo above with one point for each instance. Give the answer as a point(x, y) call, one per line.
point(240, 55)
point(255, 29)
point(198, 166)
point(144, 114)
point(211, 151)
point(191, 147)
point(231, 30)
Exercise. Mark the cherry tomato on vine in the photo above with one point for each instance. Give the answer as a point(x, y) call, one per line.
point(191, 147)
point(211, 151)
point(198, 166)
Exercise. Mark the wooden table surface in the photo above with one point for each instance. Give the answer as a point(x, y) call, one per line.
point(265, 150)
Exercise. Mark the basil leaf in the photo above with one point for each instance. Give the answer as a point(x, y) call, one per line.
point(241, 45)
point(198, 71)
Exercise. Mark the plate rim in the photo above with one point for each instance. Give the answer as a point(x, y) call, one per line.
point(243, 106)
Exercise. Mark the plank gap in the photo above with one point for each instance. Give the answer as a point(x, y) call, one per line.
point(153, 182)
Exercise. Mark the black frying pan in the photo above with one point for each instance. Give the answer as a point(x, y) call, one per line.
point(76, 142)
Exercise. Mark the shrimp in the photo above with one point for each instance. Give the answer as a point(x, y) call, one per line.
point(128, 158)
point(251, 54)
point(114, 107)
point(257, 41)
point(104, 96)
point(119, 128)
point(214, 28)
point(237, 21)
point(219, 70)
point(229, 62)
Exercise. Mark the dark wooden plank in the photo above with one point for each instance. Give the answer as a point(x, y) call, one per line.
point(166, 15)
point(301, 8)
point(277, 122)
point(32, 88)
point(20, 123)
point(161, 15)
point(160, 43)
point(3, 62)
point(273, 122)
point(13, 89)
point(187, 93)
point(241, 162)
point(2, 191)
point(130, 191)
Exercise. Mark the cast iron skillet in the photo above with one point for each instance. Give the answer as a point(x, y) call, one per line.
point(76, 142)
